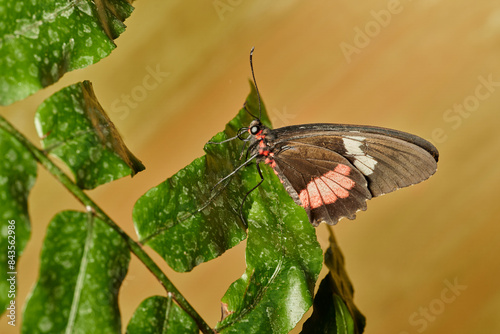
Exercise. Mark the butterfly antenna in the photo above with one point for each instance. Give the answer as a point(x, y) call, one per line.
point(248, 111)
point(255, 81)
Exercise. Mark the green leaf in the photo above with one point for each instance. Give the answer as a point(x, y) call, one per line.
point(330, 314)
point(334, 309)
point(42, 40)
point(187, 222)
point(283, 259)
point(74, 127)
point(17, 177)
point(160, 315)
point(83, 263)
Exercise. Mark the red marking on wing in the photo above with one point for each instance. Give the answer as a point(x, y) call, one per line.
point(339, 176)
point(326, 194)
point(327, 188)
point(304, 198)
point(334, 187)
point(313, 194)
point(343, 169)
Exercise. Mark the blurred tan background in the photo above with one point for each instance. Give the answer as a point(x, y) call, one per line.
point(417, 66)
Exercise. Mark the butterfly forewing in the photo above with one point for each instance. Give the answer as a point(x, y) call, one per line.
point(388, 163)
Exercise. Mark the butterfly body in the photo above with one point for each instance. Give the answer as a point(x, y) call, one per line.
point(332, 169)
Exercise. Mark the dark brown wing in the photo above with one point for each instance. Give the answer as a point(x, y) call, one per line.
point(380, 161)
point(323, 182)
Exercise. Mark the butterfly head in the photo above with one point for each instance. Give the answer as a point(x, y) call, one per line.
point(255, 128)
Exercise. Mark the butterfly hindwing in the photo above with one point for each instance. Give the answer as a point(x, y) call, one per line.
point(323, 182)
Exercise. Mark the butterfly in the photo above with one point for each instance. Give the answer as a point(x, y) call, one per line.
point(331, 170)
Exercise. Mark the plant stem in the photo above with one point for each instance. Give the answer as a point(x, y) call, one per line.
point(91, 206)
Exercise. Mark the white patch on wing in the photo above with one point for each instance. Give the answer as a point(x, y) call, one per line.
point(363, 162)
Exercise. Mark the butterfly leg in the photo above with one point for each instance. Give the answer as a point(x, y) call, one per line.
point(227, 177)
point(248, 193)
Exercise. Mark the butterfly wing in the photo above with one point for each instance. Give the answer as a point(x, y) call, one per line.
point(324, 182)
point(331, 170)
